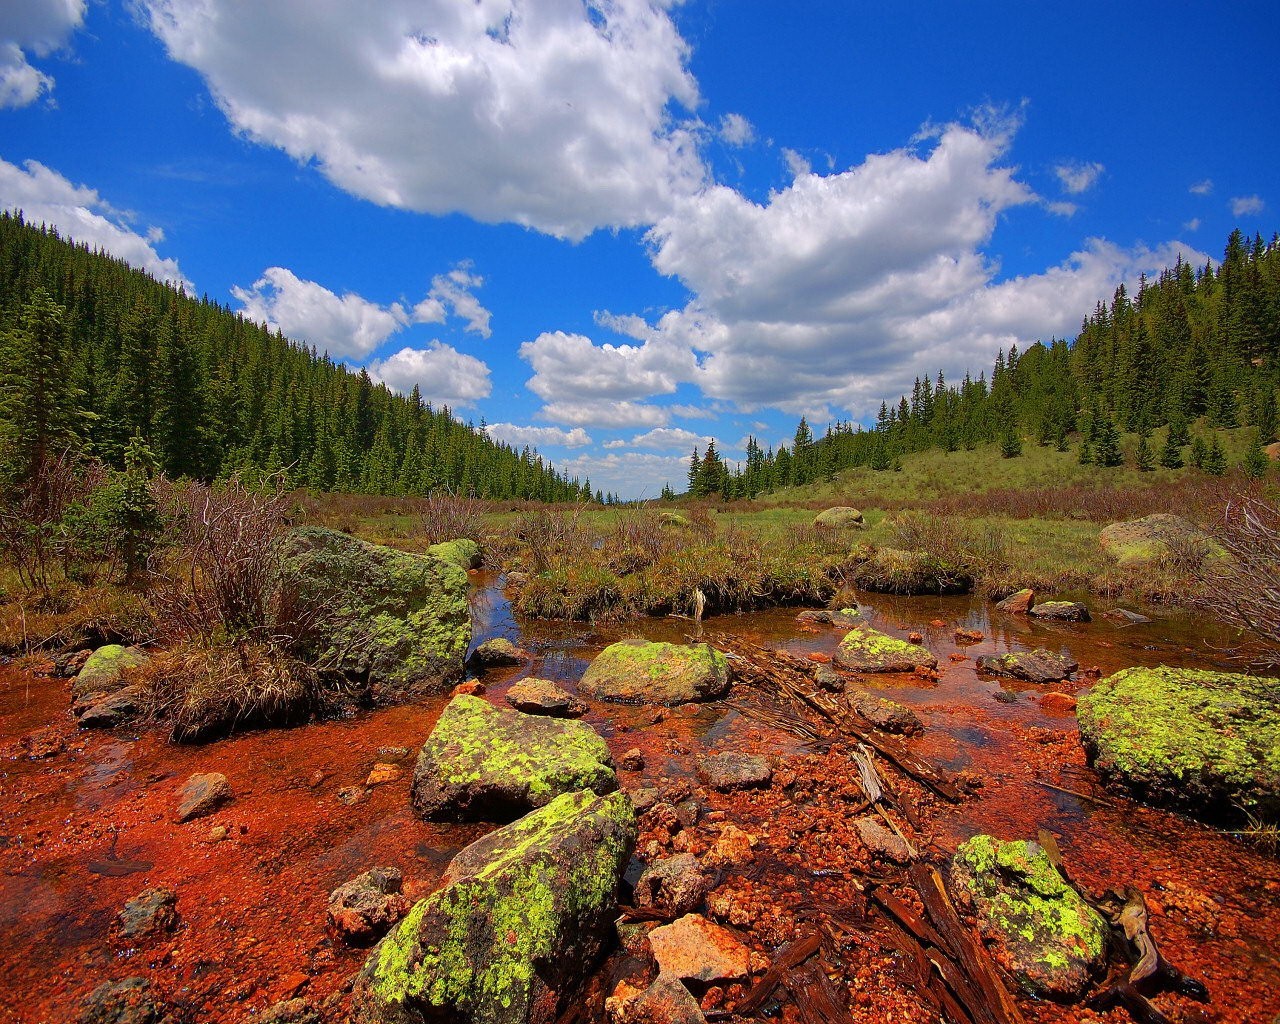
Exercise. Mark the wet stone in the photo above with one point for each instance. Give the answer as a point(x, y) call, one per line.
point(829, 679)
point(351, 795)
point(1125, 616)
point(869, 650)
point(665, 1001)
point(639, 672)
point(129, 1001)
point(1018, 603)
point(643, 797)
point(363, 909)
point(695, 949)
point(730, 771)
point(496, 653)
point(109, 710)
point(543, 697)
point(202, 795)
point(151, 912)
point(632, 760)
point(674, 885)
point(1063, 611)
point(1038, 666)
point(383, 773)
point(886, 715)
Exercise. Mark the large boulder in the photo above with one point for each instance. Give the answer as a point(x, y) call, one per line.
point(894, 571)
point(463, 552)
point(839, 518)
point(1020, 602)
point(1063, 611)
point(493, 764)
point(1038, 666)
point(1051, 940)
point(399, 619)
point(869, 650)
point(105, 670)
point(1152, 538)
point(1206, 742)
point(639, 672)
point(523, 914)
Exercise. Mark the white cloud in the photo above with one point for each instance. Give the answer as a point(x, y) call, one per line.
point(736, 130)
point(1192, 225)
point(1061, 208)
point(795, 162)
point(669, 439)
point(452, 292)
point(1078, 177)
point(555, 114)
point(345, 326)
point(518, 436)
point(695, 412)
point(1202, 188)
point(36, 29)
point(79, 212)
point(630, 474)
point(1242, 206)
point(444, 375)
point(569, 367)
point(590, 412)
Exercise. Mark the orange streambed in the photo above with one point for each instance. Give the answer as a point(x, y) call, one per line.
point(87, 828)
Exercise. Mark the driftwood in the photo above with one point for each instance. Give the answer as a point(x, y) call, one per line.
point(818, 1000)
point(791, 956)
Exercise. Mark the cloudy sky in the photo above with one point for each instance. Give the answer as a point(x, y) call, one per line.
point(614, 229)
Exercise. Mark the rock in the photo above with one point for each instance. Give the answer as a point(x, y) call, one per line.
point(111, 710)
point(383, 773)
point(498, 652)
point(484, 762)
point(1067, 611)
point(515, 578)
point(70, 664)
point(201, 795)
point(964, 637)
point(839, 518)
point(352, 795)
point(106, 668)
point(290, 1011)
point(543, 697)
point(42, 743)
point(893, 571)
point(881, 840)
point(1058, 703)
point(644, 798)
point(846, 617)
point(869, 650)
point(886, 715)
point(665, 1001)
point(1052, 940)
point(1152, 538)
point(1038, 666)
point(638, 672)
point(150, 912)
point(829, 679)
point(218, 833)
point(673, 519)
point(520, 920)
point(463, 552)
point(632, 760)
point(730, 771)
point(695, 949)
point(363, 909)
point(675, 885)
point(129, 1001)
point(1018, 603)
point(1123, 615)
point(733, 848)
point(1205, 742)
point(393, 755)
point(398, 618)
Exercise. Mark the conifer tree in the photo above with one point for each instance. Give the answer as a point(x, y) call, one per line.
point(1171, 452)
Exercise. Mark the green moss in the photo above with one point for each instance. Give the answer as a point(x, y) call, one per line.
point(103, 668)
point(1187, 735)
point(871, 650)
point(660, 673)
point(463, 552)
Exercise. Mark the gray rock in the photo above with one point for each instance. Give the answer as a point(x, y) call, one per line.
point(482, 762)
point(129, 1001)
point(109, 711)
point(151, 912)
point(1123, 615)
point(675, 885)
point(1065, 611)
point(846, 617)
point(498, 652)
point(665, 1001)
point(829, 679)
point(201, 795)
point(730, 771)
point(644, 798)
point(543, 697)
point(363, 909)
point(1038, 666)
point(885, 714)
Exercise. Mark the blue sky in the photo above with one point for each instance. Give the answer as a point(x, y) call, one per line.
point(615, 229)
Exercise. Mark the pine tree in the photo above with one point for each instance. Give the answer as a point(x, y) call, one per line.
point(1143, 457)
point(1215, 459)
point(1255, 462)
point(1171, 452)
point(1010, 444)
point(1107, 452)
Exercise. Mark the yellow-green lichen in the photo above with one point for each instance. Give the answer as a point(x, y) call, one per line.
point(463, 552)
point(870, 650)
point(657, 673)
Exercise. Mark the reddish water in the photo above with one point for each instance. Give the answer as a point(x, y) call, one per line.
point(85, 830)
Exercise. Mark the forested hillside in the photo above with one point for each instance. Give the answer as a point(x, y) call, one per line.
point(1196, 351)
point(212, 393)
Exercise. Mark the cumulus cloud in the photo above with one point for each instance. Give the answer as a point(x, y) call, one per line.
point(1078, 177)
point(567, 367)
point(557, 114)
point(452, 292)
point(669, 439)
point(587, 411)
point(796, 163)
point(1242, 206)
point(1201, 188)
point(518, 436)
point(736, 130)
point(630, 474)
point(45, 197)
point(32, 29)
point(444, 375)
point(1192, 225)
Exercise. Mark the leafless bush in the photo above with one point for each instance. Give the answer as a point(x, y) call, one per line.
point(554, 533)
point(445, 516)
point(1243, 587)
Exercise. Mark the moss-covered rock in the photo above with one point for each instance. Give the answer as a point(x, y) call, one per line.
point(1020, 602)
point(1152, 538)
point(1206, 742)
point(1051, 940)
point(104, 671)
point(463, 552)
point(398, 619)
point(498, 652)
point(493, 764)
point(1038, 666)
point(1064, 611)
point(523, 914)
point(839, 518)
point(868, 650)
point(639, 672)
point(894, 571)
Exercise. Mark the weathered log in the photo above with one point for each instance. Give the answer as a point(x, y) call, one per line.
point(792, 955)
point(818, 1001)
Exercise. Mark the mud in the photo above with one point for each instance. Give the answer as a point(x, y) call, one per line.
point(87, 828)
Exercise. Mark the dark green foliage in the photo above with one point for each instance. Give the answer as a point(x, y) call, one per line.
point(1255, 462)
point(1143, 457)
point(1010, 444)
point(1215, 459)
point(96, 353)
point(1171, 452)
point(1106, 450)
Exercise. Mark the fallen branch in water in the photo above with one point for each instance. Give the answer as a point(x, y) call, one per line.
point(1100, 801)
point(792, 955)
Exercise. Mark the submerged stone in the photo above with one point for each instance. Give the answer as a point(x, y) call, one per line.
point(489, 763)
point(869, 650)
point(1206, 742)
point(521, 918)
point(1052, 941)
point(639, 672)
point(885, 714)
point(1038, 666)
point(1066, 611)
point(498, 652)
point(397, 618)
point(731, 770)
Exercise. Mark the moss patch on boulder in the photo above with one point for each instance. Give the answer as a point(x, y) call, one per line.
point(523, 914)
point(1152, 538)
point(397, 618)
point(1051, 940)
point(869, 650)
point(839, 518)
point(639, 672)
point(463, 552)
point(1206, 742)
point(490, 763)
point(103, 671)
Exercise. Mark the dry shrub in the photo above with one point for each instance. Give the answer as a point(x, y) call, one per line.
point(553, 535)
point(1243, 588)
point(75, 618)
point(444, 516)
